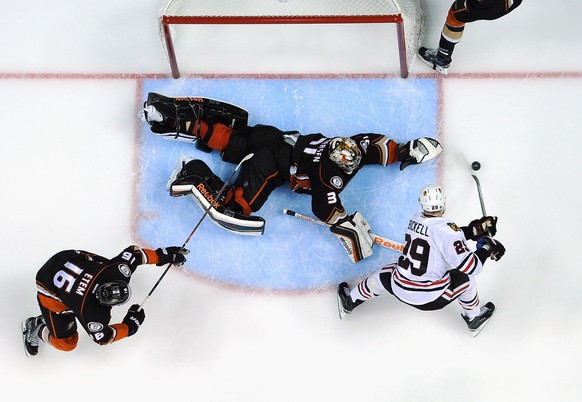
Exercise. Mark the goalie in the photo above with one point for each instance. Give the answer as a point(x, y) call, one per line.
point(312, 164)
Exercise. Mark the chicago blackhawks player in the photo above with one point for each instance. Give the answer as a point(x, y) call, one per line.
point(436, 266)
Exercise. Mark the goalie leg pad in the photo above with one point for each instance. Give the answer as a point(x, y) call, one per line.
point(354, 235)
point(182, 109)
point(183, 116)
point(188, 173)
point(196, 179)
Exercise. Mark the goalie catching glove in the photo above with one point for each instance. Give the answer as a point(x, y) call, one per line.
point(171, 255)
point(495, 248)
point(354, 234)
point(417, 151)
point(485, 226)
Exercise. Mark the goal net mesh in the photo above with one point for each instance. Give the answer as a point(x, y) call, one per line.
point(407, 13)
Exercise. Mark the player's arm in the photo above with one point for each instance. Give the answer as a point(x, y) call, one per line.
point(104, 334)
point(455, 250)
point(458, 255)
point(377, 149)
point(477, 228)
point(326, 203)
point(380, 150)
point(135, 256)
point(131, 323)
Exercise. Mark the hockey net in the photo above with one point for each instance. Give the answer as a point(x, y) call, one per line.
point(406, 14)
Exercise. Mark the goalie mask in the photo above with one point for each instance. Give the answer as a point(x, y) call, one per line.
point(113, 293)
point(432, 198)
point(344, 152)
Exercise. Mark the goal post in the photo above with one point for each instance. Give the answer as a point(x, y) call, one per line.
point(406, 14)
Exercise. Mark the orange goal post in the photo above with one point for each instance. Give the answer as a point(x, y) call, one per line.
point(406, 14)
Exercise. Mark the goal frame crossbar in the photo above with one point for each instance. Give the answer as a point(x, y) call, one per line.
point(167, 20)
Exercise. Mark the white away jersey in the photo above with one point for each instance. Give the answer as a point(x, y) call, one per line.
point(434, 245)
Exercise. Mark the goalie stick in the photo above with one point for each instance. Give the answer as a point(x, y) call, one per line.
point(246, 158)
point(379, 240)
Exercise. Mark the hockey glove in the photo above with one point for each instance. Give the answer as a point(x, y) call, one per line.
point(485, 226)
point(495, 248)
point(418, 151)
point(134, 318)
point(171, 255)
point(354, 234)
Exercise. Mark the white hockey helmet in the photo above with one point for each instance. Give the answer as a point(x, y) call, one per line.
point(344, 152)
point(432, 198)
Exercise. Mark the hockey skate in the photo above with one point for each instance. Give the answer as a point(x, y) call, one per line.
point(30, 328)
point(175, 189)
point(476, 324)
point(345, 305)
point(149, 114)
point(434, 59)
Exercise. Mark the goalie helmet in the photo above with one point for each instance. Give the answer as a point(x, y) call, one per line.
point(113, 293)
point(344, 152)
point(432, 198)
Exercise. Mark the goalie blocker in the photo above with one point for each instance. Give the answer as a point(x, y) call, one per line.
point(194, 177)
point(354, 235)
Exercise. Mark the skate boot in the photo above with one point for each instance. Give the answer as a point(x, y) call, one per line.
point(476, 324)
point(30, 328)
point(345, 304)
point(150, 114)
point(177, 185)
point(435, 59)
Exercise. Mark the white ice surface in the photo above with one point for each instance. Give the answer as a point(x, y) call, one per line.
point(68, 79)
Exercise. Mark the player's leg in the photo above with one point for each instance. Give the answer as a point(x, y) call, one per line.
point(440, 59)
point(267, 170)
point(474, 316)
point(372, 286)
point(56, 326)
point(193, 177)
point(191, 118)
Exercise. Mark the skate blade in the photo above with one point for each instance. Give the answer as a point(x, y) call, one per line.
point(340, 309)
point(23, 327)
point(478, 330)
point(438, 69)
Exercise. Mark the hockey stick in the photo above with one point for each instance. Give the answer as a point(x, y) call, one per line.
point(480, 194)
point(379, 240)
point(217, 197)
point(483, 211)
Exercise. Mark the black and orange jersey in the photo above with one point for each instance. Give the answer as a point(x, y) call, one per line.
point(68, 280)
point(324, 179)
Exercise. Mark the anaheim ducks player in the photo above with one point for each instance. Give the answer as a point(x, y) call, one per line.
point(436, 266)
point(76, 285)
point(313, 164)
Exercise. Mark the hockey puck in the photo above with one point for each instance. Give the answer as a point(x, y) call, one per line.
point(475, 165)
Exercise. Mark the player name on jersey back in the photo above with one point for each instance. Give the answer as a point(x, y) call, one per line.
point(417, 227)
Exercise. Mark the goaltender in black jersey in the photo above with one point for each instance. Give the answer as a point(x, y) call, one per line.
point(312, 164)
